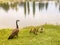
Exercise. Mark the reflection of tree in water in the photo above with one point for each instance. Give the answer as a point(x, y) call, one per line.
point(46, 6)
point(5, 6)
point(41, 6)
point(21, 4)
point(25, 8)
point(59, 7)
point(28, 7)
point(56, 4)
point(14, 5)
point(33, 7)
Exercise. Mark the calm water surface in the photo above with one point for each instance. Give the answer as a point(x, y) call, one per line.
point(30, 14)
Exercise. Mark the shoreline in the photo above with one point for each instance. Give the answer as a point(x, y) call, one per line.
point(33, 26)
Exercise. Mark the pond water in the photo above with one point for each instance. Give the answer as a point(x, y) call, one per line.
point(29, 14)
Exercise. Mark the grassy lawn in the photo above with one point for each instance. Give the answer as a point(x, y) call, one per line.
point(50, 36)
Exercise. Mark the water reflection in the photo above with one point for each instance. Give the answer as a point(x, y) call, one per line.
point(5, 6)
point(59, 7)
point(33, 7)
point(25, 8)
point(46, 6)
point(41, 6)
point(14, 5)
point(42, 12)
point(28, 7)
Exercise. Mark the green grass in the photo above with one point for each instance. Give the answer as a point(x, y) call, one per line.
point(50, 36)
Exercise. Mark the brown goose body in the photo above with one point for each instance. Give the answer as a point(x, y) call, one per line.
point(14, 32)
